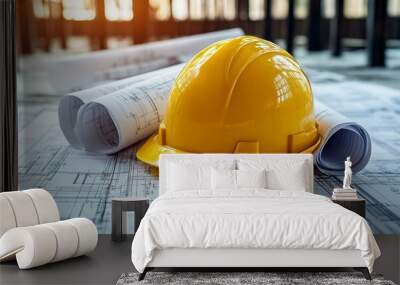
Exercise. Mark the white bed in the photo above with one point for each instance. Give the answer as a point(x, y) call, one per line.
point(286, 226)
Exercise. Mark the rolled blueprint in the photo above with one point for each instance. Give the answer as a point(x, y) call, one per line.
point(341, 137)
point(122, 118)
point(72, 73)
point(70, 104)
point(109, 123)
point(115, 121)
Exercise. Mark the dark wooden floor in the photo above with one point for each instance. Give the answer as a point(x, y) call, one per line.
point(111, 259)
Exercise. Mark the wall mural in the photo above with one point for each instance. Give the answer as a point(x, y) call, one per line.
point(84, 184)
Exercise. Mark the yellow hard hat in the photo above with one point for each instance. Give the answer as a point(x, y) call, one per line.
point(242, 95)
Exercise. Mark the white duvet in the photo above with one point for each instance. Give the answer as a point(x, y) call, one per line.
point(250, 218)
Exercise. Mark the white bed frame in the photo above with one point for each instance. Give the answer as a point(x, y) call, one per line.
point(251, 258)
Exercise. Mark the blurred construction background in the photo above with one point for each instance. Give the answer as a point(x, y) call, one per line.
point(334, 25)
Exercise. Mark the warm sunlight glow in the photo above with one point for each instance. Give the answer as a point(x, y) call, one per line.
point(279, 9)
point(229, 9)
point(79, 10)
point(197, 11)
point(162, 9)
point(41, 9)
point(211, 10)
point(119, 10)
point(256, 10)
point(180, 9)
point(44, 9)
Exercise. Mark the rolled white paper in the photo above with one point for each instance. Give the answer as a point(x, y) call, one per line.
point(71, 103)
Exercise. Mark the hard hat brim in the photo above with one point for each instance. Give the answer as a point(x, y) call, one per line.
point(151, 150)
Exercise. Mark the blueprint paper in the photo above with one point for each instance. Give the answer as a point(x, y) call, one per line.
point(121, 72)
point(71, 73)
point(70, 104)
point(115, 121)
point(341, 137)
point(122, 118)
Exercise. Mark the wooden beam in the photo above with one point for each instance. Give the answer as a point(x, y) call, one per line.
point(140, 21)
point(243, 14)
point(25, 26)
point(376, 29)
point(100, 26)
point(8, 98)
point(314, 24)
point(63, 28)
point(336, 28)
point(268, 20)
point(290, 31)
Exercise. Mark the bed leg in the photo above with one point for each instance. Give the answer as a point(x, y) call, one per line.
point(142, 275)
point(365, 272)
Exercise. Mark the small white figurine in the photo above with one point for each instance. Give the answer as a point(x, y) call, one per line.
point(347, 174)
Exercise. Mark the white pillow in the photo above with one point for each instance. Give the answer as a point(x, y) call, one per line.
point(182, 177)
point(282, 174)
point(251, 178)
point(293, 180)
point(223, 179)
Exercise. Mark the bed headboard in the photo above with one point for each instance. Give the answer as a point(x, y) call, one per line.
point(217, 157)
